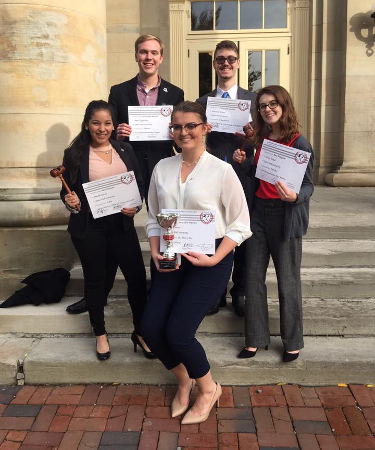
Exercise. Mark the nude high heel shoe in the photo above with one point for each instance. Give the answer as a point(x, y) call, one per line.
point(176, 408)
point(190, 418)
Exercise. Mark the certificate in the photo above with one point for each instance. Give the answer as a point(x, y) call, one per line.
point(194, 231)
point(227, 115)
point(150, 123)
point(109, 195)
point(278, 162)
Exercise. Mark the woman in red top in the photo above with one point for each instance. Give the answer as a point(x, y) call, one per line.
point(279, 219)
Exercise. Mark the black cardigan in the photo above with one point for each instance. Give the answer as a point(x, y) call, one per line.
point(78, 221)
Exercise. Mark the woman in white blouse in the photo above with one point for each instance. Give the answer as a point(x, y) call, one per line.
point(180, 298)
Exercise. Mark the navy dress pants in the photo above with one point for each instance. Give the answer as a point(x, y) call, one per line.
point(267, 225)
point(177, 304)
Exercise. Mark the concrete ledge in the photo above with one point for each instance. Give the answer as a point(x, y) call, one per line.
point(322, 317)
point(324, 361)
point(324, 282)
point(11, 350)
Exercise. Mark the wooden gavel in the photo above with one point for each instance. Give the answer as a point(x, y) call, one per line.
point(57, 172)
point(249, 133)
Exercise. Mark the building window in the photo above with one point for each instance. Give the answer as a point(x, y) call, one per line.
point(263, 68)
point(238, 15)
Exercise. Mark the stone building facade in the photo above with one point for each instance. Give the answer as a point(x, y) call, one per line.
point(57, 55)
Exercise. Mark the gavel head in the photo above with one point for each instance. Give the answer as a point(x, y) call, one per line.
point(57, 171)
point(248, 131)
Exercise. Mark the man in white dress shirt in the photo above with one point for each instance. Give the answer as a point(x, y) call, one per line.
point(226, 64)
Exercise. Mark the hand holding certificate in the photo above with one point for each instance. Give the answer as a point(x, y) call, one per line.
point(194, 231)
point(278, 162)
point(110, 195)
point(227, 115)
point(150, 123)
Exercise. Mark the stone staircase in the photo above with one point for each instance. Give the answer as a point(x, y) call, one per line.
point(41, 345)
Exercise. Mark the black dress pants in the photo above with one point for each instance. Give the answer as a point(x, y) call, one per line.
point(104, 238)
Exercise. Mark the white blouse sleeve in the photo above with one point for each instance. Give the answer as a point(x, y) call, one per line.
point(236, 211)
point(152, 226)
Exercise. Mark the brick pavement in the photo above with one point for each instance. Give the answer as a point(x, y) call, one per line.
point(138, 417)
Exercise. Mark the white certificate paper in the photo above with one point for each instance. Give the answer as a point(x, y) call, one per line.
point(109, 195)
point(278, 162)
point(150, 123)
point(227, 115)
point(194, 231)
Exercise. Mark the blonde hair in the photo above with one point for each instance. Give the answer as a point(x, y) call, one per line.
point(148, 37)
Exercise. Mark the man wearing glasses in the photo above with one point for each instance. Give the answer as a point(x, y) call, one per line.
point(226, 64)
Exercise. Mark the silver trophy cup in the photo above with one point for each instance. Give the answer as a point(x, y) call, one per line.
point(168, 222)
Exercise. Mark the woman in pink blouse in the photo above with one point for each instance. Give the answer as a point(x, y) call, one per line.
point(93, 155)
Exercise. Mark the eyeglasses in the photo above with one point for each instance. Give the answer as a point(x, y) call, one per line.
point(222, 59)
point(177, 128)
point(272, 105)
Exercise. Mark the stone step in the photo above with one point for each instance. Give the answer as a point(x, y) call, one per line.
point(324, 282)
point(330, 226)
point(322, 317)
point(322, 253)
point(323, 361)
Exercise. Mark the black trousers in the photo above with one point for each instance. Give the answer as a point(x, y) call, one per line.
point(177, 304)
point(105, 238)
point(239, 271)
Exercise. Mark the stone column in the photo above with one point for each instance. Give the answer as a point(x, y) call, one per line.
point(123, 28)
point(358, 106)
point(53, 62)
point(177, 13)
point(300, 61)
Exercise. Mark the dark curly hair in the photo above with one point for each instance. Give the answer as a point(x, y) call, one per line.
point(289, 125)
point(83, 139)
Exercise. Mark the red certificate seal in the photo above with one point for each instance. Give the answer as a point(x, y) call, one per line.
point(166, 111)
point(243, 105)
point(206, 217)
point(127, 179)
point(300, 158)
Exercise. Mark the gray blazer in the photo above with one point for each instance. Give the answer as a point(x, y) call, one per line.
point(296, 219)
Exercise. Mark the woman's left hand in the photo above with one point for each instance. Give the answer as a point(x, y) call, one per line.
point(130, 212)
point(199, 259)
point(285, 193)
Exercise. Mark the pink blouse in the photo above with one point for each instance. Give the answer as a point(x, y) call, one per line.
point(99, 169)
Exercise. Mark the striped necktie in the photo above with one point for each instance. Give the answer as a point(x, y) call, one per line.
point(225, 95)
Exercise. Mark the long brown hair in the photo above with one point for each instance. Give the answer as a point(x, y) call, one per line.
point(83, 139)
point(288, 122)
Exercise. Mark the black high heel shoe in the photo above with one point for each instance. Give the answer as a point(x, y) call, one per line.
point(248, 353)
point(103, 356)
point(289, 357)
point(136, 341)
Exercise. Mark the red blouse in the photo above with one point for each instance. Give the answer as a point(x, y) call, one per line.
point(267, 190)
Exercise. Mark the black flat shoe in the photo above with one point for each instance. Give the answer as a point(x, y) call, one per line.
point(103, 356)
point(78, 307)
point(238, 303)
point(248, 353)
point(214, 310)
point(136, 341)
point(289, 357)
